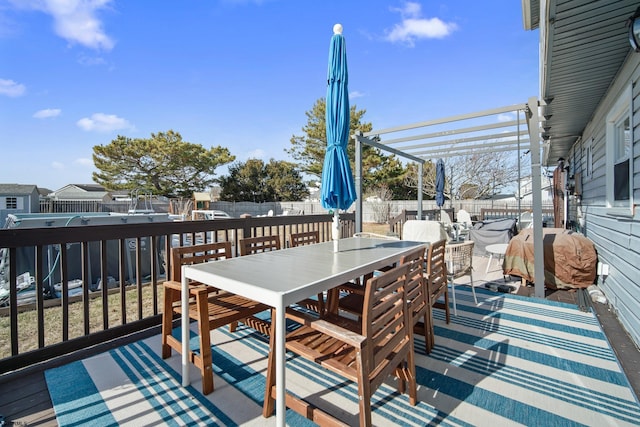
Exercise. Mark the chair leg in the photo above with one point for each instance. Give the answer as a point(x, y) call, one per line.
point(430, 339)
point(269, 401)
point(167, 320)
point(411, 378)
point(206, 360)
point(453, 294)
point(233, 326)
point(364, 392)
point(473, 289)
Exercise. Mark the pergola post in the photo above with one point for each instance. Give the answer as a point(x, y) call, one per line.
point(533, 121)
point(358, 161)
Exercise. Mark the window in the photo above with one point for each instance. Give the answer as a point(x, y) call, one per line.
point(619, 142)
point(622, 148)
point(11, 203)
point(589, 159)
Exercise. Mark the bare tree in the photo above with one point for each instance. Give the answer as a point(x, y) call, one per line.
point(378, 198)
point(471, 176)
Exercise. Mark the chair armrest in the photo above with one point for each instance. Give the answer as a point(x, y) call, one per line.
point(172, 284)
point(194, 289)
point(335, 326)
point(338, 331)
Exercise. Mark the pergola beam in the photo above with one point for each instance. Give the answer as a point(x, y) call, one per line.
point(484, 113)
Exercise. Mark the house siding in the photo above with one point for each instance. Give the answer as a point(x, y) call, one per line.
point(614, 232)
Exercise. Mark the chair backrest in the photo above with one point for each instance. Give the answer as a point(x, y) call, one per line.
point(304, 238)
point(415, 288)
point(459, 258)
point(444, 217)
point(386, 323)
point(436, 270)
point(525, 220)
point(423, 231)
point(254, 245)
point(464, 218)
point(195, 254)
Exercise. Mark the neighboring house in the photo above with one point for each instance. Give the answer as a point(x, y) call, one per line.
point(201, 200)
point(590, 79)
point(526, 190)
point(81, 192)
point(18, 199)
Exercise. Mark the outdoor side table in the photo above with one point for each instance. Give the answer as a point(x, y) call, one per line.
point(498, 250)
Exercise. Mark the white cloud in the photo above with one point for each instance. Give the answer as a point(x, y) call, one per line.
point(413, 26)
point(355, 94)
point(11, 88)
point(83, 162)
point(91, 60)
point(57, 165)
point(103, 123)
point(505, 117)
point(47, 112)
point(74, 20)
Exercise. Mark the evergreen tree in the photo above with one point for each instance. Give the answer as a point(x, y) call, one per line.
point(163, 164)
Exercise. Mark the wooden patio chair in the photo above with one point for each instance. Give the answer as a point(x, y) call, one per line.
point(254, 245)
point(459, 260)
point(417, 297)
point(354, 290)
point(436, 284)
point(209, 307)
point(365, 351)
point(308, 238)
point(304, 238)
point(416, 290)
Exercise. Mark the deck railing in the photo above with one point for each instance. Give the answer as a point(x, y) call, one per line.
point(121, 268)
point(396, 223)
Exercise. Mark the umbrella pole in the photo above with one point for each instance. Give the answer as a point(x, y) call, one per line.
point(335, 230)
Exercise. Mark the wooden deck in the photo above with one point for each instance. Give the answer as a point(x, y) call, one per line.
point(24, 397)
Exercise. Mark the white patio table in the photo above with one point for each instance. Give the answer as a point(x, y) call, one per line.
point(282, 278)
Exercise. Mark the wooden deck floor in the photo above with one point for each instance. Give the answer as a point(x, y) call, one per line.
point(24, 397)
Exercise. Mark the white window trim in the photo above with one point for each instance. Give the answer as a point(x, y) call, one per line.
point(588, 158)
point(622, 107)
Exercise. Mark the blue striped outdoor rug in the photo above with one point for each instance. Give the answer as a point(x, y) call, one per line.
point(510, 360)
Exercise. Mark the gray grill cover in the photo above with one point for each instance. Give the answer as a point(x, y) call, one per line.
point(491, 232)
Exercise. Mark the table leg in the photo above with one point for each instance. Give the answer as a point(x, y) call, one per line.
point(185, 330)
point(280, 368)
point(489, 263)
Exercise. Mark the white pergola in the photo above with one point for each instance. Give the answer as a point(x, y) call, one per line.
point(489, 131)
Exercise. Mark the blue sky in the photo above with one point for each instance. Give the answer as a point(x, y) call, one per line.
point(238, 73)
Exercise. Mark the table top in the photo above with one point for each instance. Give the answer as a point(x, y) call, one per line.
point(290, 275)
point(498, 248)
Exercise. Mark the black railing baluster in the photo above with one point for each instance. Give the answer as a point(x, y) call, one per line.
point(39, 280)
point(153, 256)
point(123, 285)
point(104, 288)
point(139, 275)
point(86, 282)
point(64, 289)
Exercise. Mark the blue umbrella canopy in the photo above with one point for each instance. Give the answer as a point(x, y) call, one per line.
point(337, 190)
point(440, 182)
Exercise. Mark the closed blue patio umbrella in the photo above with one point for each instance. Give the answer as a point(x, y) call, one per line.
point(337, 190)
point(440, 183)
